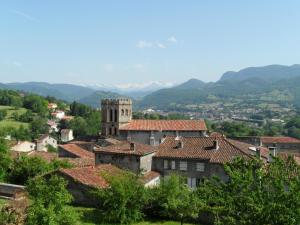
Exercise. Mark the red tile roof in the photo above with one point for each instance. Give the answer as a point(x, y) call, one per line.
point(91, 176)
point(166, 125)
point(147, 177)
point(280, 140)
point(202, 148)
point(77, 151)
point(124, 148)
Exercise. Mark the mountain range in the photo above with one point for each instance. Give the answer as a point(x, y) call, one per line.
point(275, 82)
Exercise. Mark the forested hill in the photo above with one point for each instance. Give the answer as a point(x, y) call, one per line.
point(275, 82)
point(66, 92)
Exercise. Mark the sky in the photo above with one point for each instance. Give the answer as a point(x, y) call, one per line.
point(141, 41)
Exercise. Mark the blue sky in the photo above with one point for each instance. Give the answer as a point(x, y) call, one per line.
point(126, 41)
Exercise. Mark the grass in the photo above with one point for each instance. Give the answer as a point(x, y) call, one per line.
point(90, 216)
point(9, 120)
point(2, 202)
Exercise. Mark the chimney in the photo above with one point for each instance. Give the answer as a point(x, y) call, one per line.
point(180, 144)
point(258, 153)
point(216, 144)
point(132, 146)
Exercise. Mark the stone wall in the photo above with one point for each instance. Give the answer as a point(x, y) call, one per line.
point(210, 169)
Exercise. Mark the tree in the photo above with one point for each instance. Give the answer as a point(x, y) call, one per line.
point(124, 199)
point(50, 199)
point(172, 199)
point(5, 159)
point(36, 103)
point(38, 126)
point(93, 121)
point(24, 168)
point(3, 114)
point(253, 193)
point(79, 126)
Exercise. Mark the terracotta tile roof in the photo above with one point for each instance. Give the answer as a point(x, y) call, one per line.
point(80, 162)
point(167, 125)
point(124, 147)
point(77, 151)
point(91, 176)
point(47, 156)
point(202, 148)
point(280, 140)
point(147, 177)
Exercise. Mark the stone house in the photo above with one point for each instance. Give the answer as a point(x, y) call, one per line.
point(43, 141)
point(201, 157)
point(117, 121)
point(126, 155)
point(66, 135)
point(23, 146)
point(74, 151)
point(83, 180)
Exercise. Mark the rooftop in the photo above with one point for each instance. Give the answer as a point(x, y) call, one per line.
point(128, 148)
point(203, 148)
point(280, 140)
point(167, 125)
point(77, 151)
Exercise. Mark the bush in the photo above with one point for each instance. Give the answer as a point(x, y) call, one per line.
point(50, 200)
point(123, 201)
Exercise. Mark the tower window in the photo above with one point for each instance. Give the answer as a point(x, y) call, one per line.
point(111, 116)
point(116, 115)
point(122, 112)
point(126, 112)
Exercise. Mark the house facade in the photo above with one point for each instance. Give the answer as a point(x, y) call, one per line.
point(66, 135)
point(43, 141)
point(131, 156)
point(197, 158)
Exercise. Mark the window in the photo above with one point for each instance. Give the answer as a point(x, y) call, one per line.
point(200, 167)
point(165, 164)
point(111, 116)
point(126, 112)
point(173, 165)
point(116, 115)
point(183, 165)
point(191, 182)
point(122, 112)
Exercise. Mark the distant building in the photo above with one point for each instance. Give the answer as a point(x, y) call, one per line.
point(52, 106)
point(43, 141)
point(274, 144)
point(66, 135)
point(117, 121)
point(53, 126)
point(58, 115)
point(24, 146)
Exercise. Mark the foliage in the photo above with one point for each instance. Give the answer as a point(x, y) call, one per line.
point(253, 193)
point(77, 109)
point(38, 126)
point(36, 103)
point(25, 168)
point(49, 202)
point(172, 199)
point(157, 116)
point(3, 114)
point(123, 201)
point(5, 159)
point(235, 129)
point(50, 148)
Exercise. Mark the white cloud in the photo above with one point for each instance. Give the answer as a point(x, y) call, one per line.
point(144, 44)
point(24, 15)
point(160, 45)
point(172, 39)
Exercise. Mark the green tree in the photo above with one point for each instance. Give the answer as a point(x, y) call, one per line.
point(172, 199)
point(79, 126)
point(38, 126)
point(3, 114)
point(50, 200)
point(253, 193)
point(5, 159)
point(36, 103)
point(124, 199)
point(24, 168)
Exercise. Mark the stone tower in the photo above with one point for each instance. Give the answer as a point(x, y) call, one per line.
point(115, 112)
